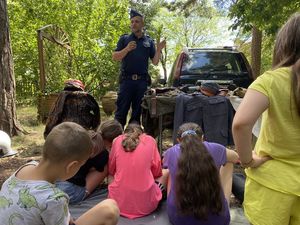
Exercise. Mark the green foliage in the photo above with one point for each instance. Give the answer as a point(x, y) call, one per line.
point(186, 8)
point(93, 26)
point(196, 30)
point(267, 53)
point(266, 15)
point(244, 45)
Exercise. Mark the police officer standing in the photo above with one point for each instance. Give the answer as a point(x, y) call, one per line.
point(134, 50)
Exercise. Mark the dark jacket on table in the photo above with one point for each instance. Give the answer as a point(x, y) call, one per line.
point(214, 114)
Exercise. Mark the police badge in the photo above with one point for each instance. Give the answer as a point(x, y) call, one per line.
point(146, 43)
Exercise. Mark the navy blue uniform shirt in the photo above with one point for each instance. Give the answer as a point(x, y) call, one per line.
point(136, 61)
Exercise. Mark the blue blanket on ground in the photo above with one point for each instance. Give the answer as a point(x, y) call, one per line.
point(157, 217)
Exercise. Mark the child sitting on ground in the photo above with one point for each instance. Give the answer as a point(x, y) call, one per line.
point(135, 164)
point(195, 194)
point(93, 172)
point(29, 196)
point(90, 174)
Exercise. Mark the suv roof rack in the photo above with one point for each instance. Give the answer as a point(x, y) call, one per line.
point(230, 48)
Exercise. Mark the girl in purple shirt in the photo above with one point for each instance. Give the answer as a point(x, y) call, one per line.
point(196, 196)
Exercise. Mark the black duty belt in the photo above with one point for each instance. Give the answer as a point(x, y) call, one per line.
point(134, 77)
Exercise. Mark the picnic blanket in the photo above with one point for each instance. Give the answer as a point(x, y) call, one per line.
point(158, 217)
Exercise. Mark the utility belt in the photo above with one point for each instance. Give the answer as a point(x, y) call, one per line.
point(125, 76)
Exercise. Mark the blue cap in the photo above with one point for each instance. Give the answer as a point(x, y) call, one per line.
point(134, 13)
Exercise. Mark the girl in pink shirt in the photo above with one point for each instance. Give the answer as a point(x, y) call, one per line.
point(135, 164)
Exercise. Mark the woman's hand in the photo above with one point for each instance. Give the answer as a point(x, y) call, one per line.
point(256, 161)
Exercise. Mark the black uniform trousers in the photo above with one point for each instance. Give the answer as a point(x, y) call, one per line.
point(131, 93)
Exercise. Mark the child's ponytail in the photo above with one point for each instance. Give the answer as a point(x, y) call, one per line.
point(132, 134)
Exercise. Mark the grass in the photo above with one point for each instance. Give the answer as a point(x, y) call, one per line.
point(31, 143)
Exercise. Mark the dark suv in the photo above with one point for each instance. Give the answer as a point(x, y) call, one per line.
point(224, 66)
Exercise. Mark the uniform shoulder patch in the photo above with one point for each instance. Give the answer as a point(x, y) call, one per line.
point(149, 37)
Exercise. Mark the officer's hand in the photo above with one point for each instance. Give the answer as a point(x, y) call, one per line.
point(131, 45)
point(161, 45)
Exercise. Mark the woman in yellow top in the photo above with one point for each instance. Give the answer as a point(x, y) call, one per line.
point(272, 192)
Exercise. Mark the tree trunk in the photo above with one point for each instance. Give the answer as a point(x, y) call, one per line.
point(8, 117)
point(164, 63)
point(256, 51)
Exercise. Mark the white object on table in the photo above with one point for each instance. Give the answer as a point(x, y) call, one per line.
point(235, 102)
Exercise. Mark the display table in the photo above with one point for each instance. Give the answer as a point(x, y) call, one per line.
point(158, 113)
